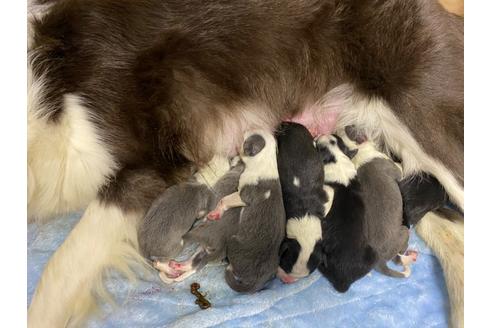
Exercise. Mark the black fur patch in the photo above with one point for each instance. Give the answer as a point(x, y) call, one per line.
point(421, 194)
point(346, 255)
point(289, 252)
point(343, 147)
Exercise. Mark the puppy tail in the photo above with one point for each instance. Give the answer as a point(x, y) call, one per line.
point(72, 281)
point(444, 233)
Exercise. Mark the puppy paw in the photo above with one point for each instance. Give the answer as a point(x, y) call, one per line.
point(412, 254)
point(175, 265)
point(214, 215)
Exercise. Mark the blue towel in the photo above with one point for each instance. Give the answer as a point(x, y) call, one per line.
point(374, 301)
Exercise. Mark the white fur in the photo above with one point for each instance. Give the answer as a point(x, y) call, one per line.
point(67, 160)
point(296, 182)
point(213, 171)
point(307, 231)
point(105, 237)
point(225, 137)
point(366, 151)
point(262, 166)
point(330, 193)
point(379, 123)
point(267, 194)
point(446, 238)
point(341, 171)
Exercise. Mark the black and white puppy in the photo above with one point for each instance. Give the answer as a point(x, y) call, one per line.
point(301, 176)
point(253, 251)
point(346, 255)
point(160, 234)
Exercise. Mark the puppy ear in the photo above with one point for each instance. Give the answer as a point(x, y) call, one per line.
point(283, 247)
point(351, 153)
point(253, 145)
point(355, 135)
point(351, 132)
point(326, 155)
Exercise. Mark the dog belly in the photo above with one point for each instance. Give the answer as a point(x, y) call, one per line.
point(340, 107)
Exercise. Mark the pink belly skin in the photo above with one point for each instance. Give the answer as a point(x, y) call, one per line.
point(318, 119)
point(318, 123)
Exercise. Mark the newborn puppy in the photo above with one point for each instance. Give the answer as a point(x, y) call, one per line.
point(383, 206)
point(346, 255)
point(173, 214)
point(301, 177)
point(212, 236)
point(253, 251)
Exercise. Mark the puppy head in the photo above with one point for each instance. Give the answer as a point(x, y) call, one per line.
point(342, 267)
point(299, 252)
point(336, 158)
point(332, 148)
point(249, 270)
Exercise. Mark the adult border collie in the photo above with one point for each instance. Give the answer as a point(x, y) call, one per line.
point(128, 97)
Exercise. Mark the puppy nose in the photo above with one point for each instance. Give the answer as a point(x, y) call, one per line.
point(288, 279)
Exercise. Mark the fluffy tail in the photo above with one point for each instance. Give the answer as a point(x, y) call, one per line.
point(444, 233)
point(104, 238)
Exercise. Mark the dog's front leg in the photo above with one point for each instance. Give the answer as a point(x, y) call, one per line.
point(105, 238)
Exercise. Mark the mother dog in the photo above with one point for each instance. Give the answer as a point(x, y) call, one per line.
point(128, 97)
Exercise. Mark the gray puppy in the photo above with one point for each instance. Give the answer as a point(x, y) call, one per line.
point(253, 251)
point(212, 236)
point(174, 213)
point(379, 177)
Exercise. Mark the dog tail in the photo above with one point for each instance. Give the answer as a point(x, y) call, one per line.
point(444, 233)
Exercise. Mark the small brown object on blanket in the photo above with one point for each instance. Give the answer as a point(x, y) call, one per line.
point(202, 302)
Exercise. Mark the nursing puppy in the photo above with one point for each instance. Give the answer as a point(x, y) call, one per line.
point(301, 177)
point(160, 235)
point(124, 97)
point(253, 251)
point(346, 255)
point(212, 236)
point(379, 178)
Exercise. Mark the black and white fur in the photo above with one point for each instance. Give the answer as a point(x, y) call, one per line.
point(126, 97)
point(253, 250)
point(379, 178)
point(422, 193)
point(301, 176)
point(346, 255)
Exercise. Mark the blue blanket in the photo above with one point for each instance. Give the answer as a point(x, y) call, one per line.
point(374, 301)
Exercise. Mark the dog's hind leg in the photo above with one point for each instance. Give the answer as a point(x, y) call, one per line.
point(445, 235)
point(105, 238)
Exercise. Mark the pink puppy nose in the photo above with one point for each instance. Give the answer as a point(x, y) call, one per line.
point(288, 279)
